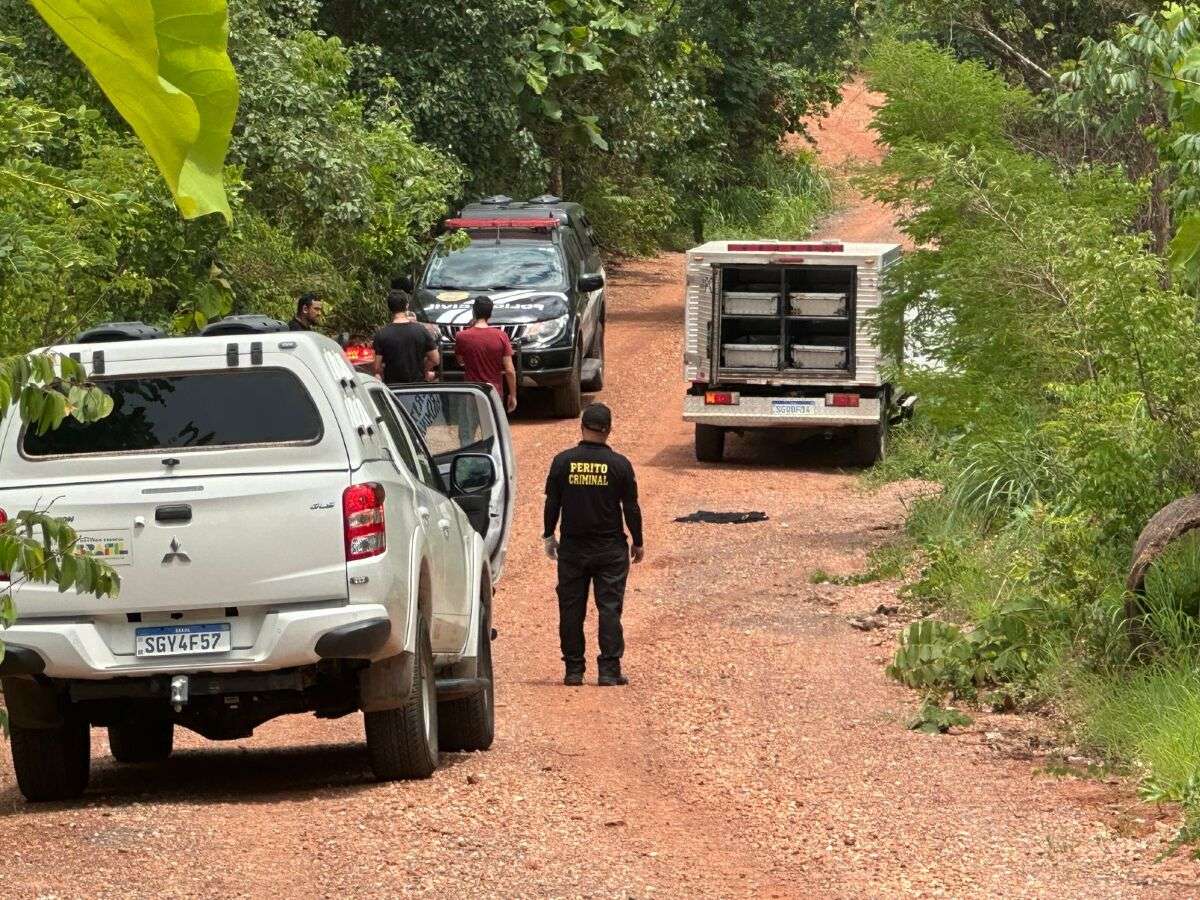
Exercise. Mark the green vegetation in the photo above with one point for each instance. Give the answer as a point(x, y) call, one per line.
point(883, 563)
point(1063, 407)
point(361, 123)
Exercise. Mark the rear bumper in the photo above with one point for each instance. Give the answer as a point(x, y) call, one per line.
point(759, 412)
point(286, 638)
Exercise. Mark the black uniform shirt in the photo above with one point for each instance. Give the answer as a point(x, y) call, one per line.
point(590, 485)
point(297, 325)
point(402, 346)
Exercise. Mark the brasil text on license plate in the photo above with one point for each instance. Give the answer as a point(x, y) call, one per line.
point(793, 407)
point(183, 640)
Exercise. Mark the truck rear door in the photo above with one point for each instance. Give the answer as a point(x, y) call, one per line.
point(206, 487)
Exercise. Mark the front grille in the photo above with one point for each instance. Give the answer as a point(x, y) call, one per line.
point(450, 332)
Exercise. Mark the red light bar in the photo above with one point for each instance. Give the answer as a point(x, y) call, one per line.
point(522, 224)
point(822, 247)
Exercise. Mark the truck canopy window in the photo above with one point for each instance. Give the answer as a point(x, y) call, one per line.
point(202, 409)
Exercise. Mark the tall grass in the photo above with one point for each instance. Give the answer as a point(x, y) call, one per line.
point(783, 194)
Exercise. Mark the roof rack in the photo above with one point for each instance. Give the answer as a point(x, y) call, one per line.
point(250, 323)
point(108, 332)
point(480, 222)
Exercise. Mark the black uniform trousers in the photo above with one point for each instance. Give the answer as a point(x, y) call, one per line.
point(606, 569)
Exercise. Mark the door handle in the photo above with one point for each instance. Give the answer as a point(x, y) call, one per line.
point(179, 513)
point(444, 524)
point(423, 512)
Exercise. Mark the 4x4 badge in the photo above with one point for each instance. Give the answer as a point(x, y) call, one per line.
point(176, 554)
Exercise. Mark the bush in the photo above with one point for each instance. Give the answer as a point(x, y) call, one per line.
point(779, 195)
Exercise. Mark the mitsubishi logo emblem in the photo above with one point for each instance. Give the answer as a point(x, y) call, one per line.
point(176, 555)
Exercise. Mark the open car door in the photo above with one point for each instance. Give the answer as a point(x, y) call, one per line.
point(469, 418)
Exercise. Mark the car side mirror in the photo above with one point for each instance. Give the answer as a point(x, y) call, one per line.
point(592, 282)
point(472, 473)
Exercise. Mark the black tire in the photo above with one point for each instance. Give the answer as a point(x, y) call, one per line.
point(568, 399)
point(710, 443)
point(469, 723)
point(149, 739)
point(53, 763)
point(403, 742)
point(868, 444)
point(592, 385)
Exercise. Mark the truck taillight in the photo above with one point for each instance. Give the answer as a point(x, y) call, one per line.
point(359, 353)
point(362, 507)
point(4, 576)
point(721, 398)
point(841, 399)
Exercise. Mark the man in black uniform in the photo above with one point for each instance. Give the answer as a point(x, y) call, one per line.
point(308, 312)
point(591, 485)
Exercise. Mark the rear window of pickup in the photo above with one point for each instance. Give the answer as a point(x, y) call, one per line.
point(192, 410)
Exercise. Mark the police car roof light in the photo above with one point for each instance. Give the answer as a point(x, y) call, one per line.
point(522, 224)
point(546, 199)
point(119, 331)
point(496, 200)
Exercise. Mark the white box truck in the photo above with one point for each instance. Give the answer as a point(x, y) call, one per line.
point(778, 337)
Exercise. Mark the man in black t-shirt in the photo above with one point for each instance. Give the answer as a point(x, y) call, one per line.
point(405, 351)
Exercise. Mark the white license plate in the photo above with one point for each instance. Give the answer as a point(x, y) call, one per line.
point(183, 640)
point(794, 407)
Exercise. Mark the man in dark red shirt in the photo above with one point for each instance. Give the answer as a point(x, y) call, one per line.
point(486, 354)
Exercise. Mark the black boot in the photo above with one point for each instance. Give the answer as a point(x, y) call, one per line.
point(573, 677)
point(611, 679)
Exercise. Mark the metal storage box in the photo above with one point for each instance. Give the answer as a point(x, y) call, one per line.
point(808, 303)
point(755, 356)
point(818, 356)
point(751, 303)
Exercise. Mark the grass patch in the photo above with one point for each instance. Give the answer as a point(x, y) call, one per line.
point(883, 564)
point(784, 196)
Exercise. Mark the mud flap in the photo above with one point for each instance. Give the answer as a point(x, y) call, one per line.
point(31, 703)
point(385, 684)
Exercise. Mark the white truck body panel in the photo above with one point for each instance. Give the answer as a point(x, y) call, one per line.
point(702, 360)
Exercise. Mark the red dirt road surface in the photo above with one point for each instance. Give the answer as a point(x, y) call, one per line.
point(759, 751)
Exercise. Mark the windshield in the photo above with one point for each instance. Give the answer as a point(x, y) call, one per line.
point(203, 409)
point(498, 265)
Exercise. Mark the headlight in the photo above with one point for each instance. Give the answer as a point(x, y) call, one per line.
point(541, 334)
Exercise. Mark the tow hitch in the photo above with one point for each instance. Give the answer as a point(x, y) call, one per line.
point(179, 691)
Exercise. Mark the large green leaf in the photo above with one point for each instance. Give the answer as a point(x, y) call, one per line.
point(165, 67)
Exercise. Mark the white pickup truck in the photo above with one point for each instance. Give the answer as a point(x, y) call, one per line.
point(292, 536)
point(779, 336)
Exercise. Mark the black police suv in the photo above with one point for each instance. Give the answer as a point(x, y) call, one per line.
point(539, 263)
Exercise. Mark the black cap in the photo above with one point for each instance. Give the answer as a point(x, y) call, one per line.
point(597, 417)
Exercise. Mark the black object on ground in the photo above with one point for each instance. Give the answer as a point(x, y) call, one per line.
point(723, 518)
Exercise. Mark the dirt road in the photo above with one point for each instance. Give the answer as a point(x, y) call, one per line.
point(759, 751)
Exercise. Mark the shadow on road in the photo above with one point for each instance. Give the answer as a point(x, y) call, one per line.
point(756, 451)
point(222, 774)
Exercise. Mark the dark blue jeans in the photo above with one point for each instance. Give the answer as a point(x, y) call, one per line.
point(606, 570)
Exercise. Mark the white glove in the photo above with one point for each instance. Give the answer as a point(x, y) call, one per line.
point(551, 545)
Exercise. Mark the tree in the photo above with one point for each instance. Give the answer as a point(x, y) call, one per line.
point(164, 66)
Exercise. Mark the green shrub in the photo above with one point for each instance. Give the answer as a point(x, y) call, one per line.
point(779, 195)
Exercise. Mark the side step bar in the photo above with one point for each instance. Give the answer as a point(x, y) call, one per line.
point(457, 688)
